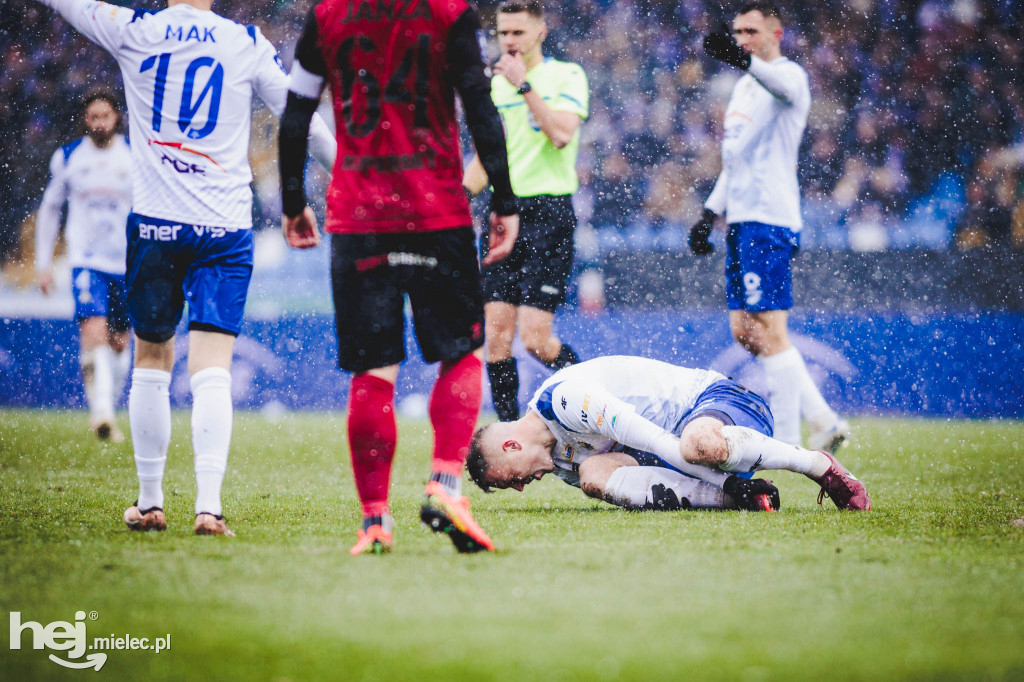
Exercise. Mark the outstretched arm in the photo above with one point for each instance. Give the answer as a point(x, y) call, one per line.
point(100, 22)
point(306, 85)
point(585, 407)
point(48, 221)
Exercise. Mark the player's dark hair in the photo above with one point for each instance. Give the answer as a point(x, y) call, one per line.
point(767, 9)
point(105, 95)
point(532, 7)
point(476, 463)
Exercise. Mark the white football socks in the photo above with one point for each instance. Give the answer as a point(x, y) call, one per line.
point(816, 412)
point(211, 434)
point(630, 486)
point(103, 382)
point(792, 392)
point(753, 451)
point(122, 363)
point(149, 415)
point(782, 371)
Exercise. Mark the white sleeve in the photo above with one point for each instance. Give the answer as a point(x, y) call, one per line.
point(272, 83)
point(782, 80)
point(100, 22)
point(584, 407)
point(48, 217)
point(322, 145)
point(717, 199)
point(739, 138)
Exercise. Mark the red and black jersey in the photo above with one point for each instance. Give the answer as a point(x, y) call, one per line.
point(393, 67)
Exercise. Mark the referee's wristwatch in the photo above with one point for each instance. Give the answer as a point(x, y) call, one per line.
point(524, 88)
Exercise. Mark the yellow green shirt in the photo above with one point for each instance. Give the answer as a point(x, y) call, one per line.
point(535, 165)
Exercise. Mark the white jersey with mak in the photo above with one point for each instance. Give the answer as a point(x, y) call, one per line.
point(189, 77)
point(96, 184)
point(593, 407)
point(764, 124)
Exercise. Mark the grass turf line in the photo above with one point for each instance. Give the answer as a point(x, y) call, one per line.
point(929, 585)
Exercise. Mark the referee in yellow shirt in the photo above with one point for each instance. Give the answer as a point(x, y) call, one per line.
point(542, 102)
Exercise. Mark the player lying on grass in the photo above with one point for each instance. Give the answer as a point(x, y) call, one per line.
point(631, 431)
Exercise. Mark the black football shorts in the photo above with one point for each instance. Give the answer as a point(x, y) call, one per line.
point(537, 271)
point(371, 274)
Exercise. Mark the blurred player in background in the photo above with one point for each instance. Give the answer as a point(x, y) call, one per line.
point(189, 80)
point(619, 427)
point(542, 102)
point(400, 226)
point(93, 176)
point(757, 191)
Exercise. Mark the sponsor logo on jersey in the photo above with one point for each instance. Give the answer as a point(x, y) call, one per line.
point(182, 167)
point(392, 163)
point(159, 233)
point(180, 147)
point(395, 259)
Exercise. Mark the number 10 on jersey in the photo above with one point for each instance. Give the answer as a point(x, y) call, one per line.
point(189, 106)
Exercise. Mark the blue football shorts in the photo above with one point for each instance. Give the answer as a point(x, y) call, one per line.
point(757, 267)
point(729, 403)
point(171, 263)
point(100, 294)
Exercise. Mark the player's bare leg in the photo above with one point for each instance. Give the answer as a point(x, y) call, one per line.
point(122, 363)
point(454, 408)
point(372, 436)
point(707, 441)
point(209, 364)
point(149, 416)
point(535, 329)
point(500, 330)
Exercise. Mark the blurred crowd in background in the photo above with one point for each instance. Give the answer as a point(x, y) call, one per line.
point(915, 138)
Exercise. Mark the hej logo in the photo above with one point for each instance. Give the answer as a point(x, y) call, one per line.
point(71, 638)
point(59, 636)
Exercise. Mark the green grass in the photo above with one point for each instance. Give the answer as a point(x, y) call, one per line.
point(929, 585)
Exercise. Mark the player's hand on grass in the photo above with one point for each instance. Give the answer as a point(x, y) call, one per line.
point(723, 47)
point(45, 280)
point(301, 232)
point(700, 232)
point(746, 491)
point(501, 237)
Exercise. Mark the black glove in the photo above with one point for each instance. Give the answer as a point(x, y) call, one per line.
point(700, 232)
point(723, 47)
point(745, 491)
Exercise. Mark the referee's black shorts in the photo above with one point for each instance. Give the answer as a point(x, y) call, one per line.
point(535, 274)
point(371, 275)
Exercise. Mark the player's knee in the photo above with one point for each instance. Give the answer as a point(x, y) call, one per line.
point(94, 332)
point(748, 336)
point(594, 475)
point(535, 343)
point(702, 442)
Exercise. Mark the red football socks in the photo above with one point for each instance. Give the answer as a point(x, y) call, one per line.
point(454, 408)
point(372, 434)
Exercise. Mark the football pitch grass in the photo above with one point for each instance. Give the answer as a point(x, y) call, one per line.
point(928, 585)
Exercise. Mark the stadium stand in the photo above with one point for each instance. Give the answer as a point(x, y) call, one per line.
point(915, 141)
